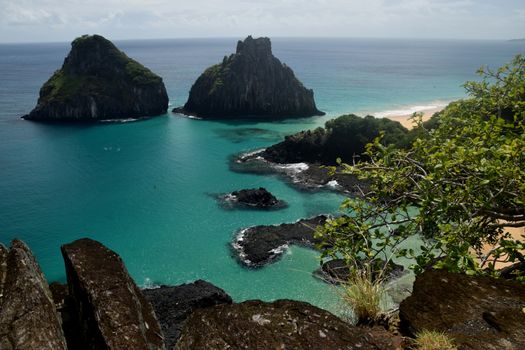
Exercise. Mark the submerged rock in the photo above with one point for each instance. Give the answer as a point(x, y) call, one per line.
point(255, 198)
point(111, 311)
point(28, 319)
point(337, 270)
point(251, 82)
point(173, 305)
point(98, 81)
point(478, 312)
point(283, 324)
point(259, 245)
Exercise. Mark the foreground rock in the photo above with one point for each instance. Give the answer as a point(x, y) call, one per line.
point(478, 312)
point(283, 324)
point(28, 319)
point(337, 271)
point(112, 312)
point(259, 245)
point(98, 81)
point(173, 305)
point(304, 176)
point(251, 82)
point(255, 198)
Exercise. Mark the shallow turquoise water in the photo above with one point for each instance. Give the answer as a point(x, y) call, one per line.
point(145, 188)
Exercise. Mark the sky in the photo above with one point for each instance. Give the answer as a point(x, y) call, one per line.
point(63, 20)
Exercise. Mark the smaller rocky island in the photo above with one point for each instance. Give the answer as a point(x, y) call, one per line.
point(260, 245)
point(99, 82)
point(250, 83)
point(254, 198)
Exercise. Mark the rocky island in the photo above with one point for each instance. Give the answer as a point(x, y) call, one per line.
point(250, 83)
point(98, 82)
point(253, 198)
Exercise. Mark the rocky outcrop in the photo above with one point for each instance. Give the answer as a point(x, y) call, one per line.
point(337, 271)
point(28, 319)
point(478, 312)
point(173, 305)
point(283, 324)
point(344, 137)
point(259, 245)
point(255, 198)
point(111, 311)
point(98, 81)
point(251, 82)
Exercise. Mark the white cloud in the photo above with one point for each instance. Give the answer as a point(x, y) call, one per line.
point(21, 20)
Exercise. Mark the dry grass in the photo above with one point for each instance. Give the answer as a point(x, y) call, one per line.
point(364, 295)
point(432, 340)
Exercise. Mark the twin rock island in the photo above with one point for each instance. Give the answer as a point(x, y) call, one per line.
point(99, 82)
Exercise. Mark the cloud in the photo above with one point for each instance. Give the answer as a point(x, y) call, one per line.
point(60, 20)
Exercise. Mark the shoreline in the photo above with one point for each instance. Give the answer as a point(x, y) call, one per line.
point(405, 118)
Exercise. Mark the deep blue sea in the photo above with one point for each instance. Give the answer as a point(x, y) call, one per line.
point(145, 188)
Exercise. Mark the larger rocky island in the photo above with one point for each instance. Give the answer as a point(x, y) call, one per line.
point(250, 83)
point(98, 81)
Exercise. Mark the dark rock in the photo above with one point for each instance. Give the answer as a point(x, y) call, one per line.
point(256, 198)
point(98, 81)
point(283, 324)
point(28, 319)
point(478, 312)
point(173, 305)
point(111, 311)
point(259, 245)
point(344, 137)
point(250, 83)
point(60, 293)
point(337, 270)
point(303, 176)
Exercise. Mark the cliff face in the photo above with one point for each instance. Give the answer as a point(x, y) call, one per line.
point(251, 82)
point(98, 81)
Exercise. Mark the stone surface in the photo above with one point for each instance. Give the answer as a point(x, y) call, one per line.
point(254, 198)
point(173, 305)
point(336, 271)
point(283, 324)
point(259, 245)
point(28, 319)
point(98, 81)
point(251, 82)
point(111, 311)
point(478, 312)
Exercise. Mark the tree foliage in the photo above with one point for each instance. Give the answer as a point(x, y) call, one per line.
point(459, 187)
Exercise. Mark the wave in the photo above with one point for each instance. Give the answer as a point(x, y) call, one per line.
point(409, 110)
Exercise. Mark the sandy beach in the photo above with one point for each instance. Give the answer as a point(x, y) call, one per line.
point(404, 119)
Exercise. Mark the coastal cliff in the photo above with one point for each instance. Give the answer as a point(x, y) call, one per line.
point(98, 81)
point(251, 82)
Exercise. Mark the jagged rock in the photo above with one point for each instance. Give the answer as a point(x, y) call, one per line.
point(478, 312)
point(255, 198)
point(98, 81)
point(283, 324)
point(336, 271)
point(251, 82)
point(259, 245)
point(173, 305)
point(111, 311)
point(28, 319)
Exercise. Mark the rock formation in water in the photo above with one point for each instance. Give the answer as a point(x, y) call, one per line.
point(112, 312)
point(478, 312)
point(27, 313)
point(251, 82)
point(173, 305)
point(98, 81)
point(254, 198)
point(337, 271)
point(283, 324)
point(259, 245)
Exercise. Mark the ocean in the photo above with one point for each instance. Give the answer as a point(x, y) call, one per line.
point(145, 189)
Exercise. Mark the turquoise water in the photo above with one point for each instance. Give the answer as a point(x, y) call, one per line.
point(145, 188)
